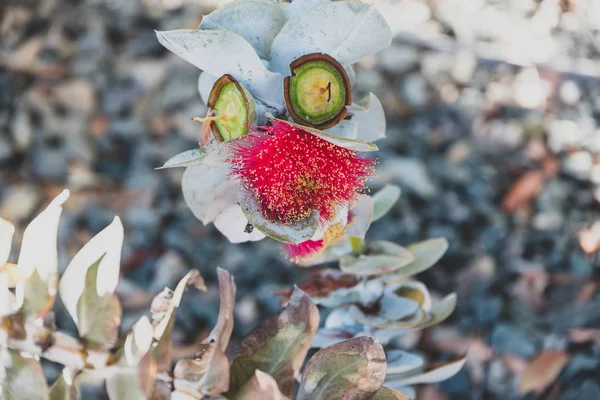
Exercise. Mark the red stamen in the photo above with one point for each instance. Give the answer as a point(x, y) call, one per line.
point(303, 250)
point(310, 248)
point(293, 172)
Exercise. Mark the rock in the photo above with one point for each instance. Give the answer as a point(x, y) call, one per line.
point(529, 91)
point(76, 94)
point(548, 221)
point(22, 132)
point(458, 384)
point(121, 98)
point(510, 339)
point(410, 173)
point(578, 165)
point(579, 263)
point(6, 149)
point(246, 311)
point(569, 92)
point(414, 90)
point(369, 80)
point(145, 223)
point(487, 309)
point(504, 134)
point(564, 133)
point(147, 73)
point(169, 269)
point(555, 195)
point(498, 378)
point(19, 202)
point(459, 152)
point(177, 90)
point(399, 59)
point(49, 161)
point(267, 299)
point(436, 65)
point(589, 389)
point(581, 363)
point(464, 67)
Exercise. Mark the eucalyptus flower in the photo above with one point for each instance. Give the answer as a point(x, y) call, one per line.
point(287, 65)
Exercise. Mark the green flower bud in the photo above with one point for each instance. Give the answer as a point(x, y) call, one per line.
point(234, 108)
point(318, 91)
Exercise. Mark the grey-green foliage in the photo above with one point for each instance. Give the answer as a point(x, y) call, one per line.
point(266, 364)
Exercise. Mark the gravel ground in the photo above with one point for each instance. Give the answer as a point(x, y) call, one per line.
point(493, 135)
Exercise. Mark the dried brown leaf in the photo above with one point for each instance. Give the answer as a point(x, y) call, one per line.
point(583, 335)
point(277, 346)
point(164, 307)
point(386, 393)
point(261, 386)
point(524, 190)
point(321, 283)
point(209, 372)
point(350, 370)
point(542, 370)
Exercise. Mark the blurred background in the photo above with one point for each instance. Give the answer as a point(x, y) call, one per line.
point(493, 113)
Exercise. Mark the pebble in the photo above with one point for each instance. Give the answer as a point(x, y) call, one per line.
point(49, 163)
point(578, 165)
point(247, 310)
point(398, 59)
point(464, 67)
point(414, 90)
point(410, 173)
point(19, 201)
point(510, 339)
point(563, 133)
point(6, 149)
point(22, 132)
point(589, 389)
point(570, 93)
point(487, 309)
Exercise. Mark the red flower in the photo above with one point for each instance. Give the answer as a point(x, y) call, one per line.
point(303, 250)
point(310, 248)
point(293, 172)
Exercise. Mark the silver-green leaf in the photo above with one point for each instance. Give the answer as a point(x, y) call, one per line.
point(427, 253)
point(63, 387)
point(384, 200)
point(38, 262)
point(346, 30)
point(368, 115)
point(221, 52)
point(257, 21)
point(380, 257)
point(200, 185)
point(23, 378)
point(99, 317)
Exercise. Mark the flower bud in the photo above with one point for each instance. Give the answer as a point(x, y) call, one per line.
point(318, 91)
point(234, 108)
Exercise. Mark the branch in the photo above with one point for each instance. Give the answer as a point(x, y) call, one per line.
point(63, 348)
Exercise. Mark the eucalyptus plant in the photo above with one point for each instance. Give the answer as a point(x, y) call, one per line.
point(270, 362)
point(372, 293)
point(281, 152)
